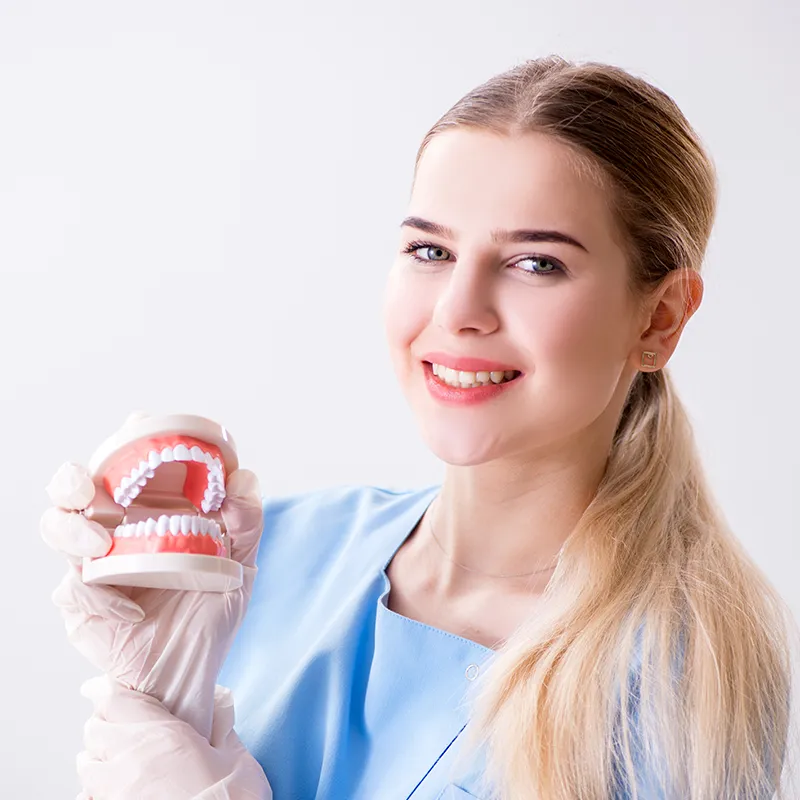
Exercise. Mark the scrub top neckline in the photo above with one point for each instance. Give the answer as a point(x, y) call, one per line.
point(414, 517)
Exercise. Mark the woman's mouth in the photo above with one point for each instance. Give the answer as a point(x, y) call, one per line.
point(464, 388)
point(459, 379)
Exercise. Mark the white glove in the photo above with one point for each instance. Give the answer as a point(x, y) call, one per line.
point(137, 750)
point(169, 644)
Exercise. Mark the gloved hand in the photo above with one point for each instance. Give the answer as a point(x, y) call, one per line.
point(137, 750)
point(169, 644)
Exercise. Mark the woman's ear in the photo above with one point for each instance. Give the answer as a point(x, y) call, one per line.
point(677, 298)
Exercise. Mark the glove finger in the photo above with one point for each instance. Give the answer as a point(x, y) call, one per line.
point(99, 779)
point(72, 534)
point(116, 703)
point(106, 741)
point(243, 515)
point(224, 717)
point(71, 488)
point(97, 734)
point(73, 596)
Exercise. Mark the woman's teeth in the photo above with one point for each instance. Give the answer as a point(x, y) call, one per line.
point(471, 380)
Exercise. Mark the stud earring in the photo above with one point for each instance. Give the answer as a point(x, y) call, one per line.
point(649, 358)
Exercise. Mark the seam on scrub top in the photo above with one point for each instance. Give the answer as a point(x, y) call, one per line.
point(430, 769)
point(439, 630)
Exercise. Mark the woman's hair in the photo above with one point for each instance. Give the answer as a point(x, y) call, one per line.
point(662, 649)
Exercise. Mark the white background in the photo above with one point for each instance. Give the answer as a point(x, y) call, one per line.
point(199, 203)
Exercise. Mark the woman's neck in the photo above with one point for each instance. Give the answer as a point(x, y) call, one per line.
point(499, 520)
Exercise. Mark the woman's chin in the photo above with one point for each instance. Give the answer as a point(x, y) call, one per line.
point(460, 448)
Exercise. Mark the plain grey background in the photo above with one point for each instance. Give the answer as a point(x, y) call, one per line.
point(199, 203)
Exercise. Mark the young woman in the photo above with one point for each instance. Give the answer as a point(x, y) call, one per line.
point(567, 615)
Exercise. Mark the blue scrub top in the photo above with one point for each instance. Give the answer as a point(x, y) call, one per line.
point(336, 696)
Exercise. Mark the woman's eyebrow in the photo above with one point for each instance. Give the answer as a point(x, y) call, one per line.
point(499, 236)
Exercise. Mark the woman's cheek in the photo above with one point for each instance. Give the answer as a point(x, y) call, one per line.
point(405, 310)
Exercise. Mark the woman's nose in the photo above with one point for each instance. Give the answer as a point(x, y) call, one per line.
point(466, 301)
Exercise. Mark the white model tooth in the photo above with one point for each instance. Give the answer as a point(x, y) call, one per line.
point(208, 458)
point(117, 494)
point(125, 502)
point(182, 453)
point(195, 526)
point(204, 507)
point(217, 531)
point(203, 526)
point(125, 483)
point(174, 525)
point(142, 481)
point(153, 459)
point(118, 531)
point(162, 526)
point(186, 524)
point(141, 528)
point(197, 454)
point(135, 475)
point(218, 464)
point(150, 527)
point(127, 531)
point(134, 491)
point(167, 455)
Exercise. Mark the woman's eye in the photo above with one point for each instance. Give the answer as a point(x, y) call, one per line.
point(428, 248)
point(550, 265)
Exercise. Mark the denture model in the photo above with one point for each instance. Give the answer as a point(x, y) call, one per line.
point(159, 484)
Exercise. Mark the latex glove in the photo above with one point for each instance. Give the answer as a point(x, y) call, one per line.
point(170, 644)
point(137, 750)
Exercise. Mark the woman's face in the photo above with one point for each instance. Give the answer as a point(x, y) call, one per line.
point(558, 313)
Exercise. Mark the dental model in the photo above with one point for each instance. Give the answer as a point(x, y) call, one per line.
point(159, 485)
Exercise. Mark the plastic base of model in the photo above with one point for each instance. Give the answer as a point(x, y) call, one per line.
point(180, 571)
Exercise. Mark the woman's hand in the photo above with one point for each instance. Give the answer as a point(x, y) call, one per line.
point(137, 750)
point(169, 644)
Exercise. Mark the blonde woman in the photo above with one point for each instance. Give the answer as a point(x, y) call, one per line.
point(566, 616)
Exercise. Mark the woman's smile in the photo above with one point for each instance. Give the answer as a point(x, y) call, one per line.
point(453, 387)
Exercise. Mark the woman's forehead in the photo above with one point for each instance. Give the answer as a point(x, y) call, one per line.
point(475, 181)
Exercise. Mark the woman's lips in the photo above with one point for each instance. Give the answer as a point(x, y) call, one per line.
point(452, 395)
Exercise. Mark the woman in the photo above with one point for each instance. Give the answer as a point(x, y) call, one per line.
point(567, 615)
